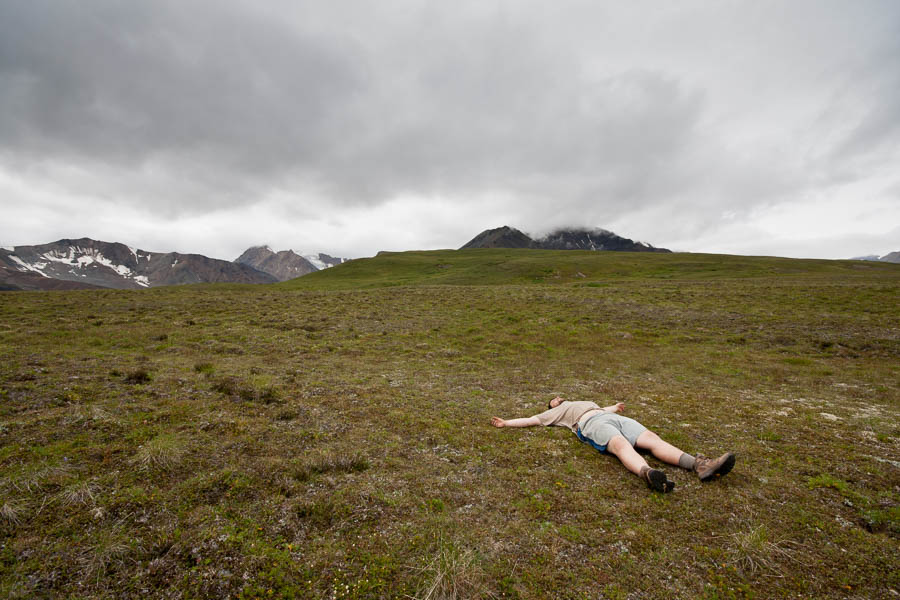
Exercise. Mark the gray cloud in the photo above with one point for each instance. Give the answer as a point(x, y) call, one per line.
point(574, 112)
point(198, 92)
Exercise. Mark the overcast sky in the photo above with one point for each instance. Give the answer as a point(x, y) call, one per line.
point(351, 127)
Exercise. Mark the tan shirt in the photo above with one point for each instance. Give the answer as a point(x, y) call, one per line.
point(569, 413)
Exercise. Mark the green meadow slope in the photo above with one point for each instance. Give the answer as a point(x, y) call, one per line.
point(329, 437)
point(518, 266)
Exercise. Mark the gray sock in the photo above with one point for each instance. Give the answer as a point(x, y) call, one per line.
point(686, 461)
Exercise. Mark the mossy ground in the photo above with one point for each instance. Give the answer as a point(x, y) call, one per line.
point(296, 441)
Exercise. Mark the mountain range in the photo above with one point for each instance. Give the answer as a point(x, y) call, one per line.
point(559, 239)
point(85, 263)
point(285, 264)
point(89, 264)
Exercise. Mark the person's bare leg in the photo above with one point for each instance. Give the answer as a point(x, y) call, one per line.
point(660, 448)
point(635, 463)
point(620, 447)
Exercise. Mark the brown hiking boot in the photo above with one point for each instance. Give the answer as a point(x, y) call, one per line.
point(709, 468)
point(657, 481)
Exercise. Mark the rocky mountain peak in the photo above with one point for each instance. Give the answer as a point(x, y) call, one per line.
point(282, 265)
point(560, 239)
point(286, 264)
point(501, 237)
point(254, 254)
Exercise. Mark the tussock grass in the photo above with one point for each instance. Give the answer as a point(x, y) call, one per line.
point(452, 573)
point(11, 512)
point(330, 464)
point(755, 551)
point(164, 452)
point(107, 551)
point(36, 477)
point(138, 376)
point(206, 368)
point(238, 389)
point(98, 413)
point(83, 492)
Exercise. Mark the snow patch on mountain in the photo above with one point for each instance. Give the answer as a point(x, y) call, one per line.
point(324, 261)
point(77, 256)
point(26, 267)
point(314, 259)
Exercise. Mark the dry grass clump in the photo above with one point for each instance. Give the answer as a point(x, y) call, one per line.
point(79, 493)
point(452, 574)
point(164, 452)
point(754, 551)
point(110, 548)
point(11, 512)
point(38, 476)
point(102, 415)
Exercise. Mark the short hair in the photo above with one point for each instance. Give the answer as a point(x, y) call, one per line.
point(550, 403)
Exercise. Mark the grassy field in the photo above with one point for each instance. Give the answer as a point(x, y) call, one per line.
point(329, 437)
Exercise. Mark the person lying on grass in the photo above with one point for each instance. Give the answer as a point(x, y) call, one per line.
point(609, 432)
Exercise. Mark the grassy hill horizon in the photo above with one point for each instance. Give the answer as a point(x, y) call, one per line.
point(329, 437)
point(504, 266)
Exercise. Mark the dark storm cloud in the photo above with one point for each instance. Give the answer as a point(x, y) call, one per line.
point(228, 99)
point(202, 90)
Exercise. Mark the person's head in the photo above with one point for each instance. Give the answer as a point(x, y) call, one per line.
point(555, 402)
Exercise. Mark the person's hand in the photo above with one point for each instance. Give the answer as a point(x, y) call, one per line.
point(620, 407)
point(497, 422)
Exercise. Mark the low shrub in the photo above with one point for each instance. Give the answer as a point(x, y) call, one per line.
point(139, 376)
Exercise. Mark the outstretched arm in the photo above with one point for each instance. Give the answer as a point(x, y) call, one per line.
point(523, 422)
point(615, 408)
